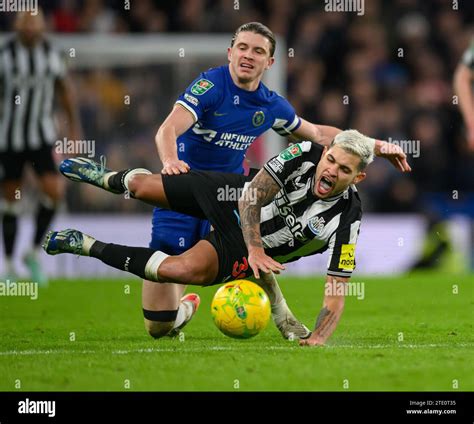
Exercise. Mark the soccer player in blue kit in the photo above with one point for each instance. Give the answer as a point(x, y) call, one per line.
point(210, 127)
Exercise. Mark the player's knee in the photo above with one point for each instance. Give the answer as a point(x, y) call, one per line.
point(158, 329)
point(159, 323)
point(137, 185)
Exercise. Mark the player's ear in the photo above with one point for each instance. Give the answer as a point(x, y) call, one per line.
point(229, 53)
point(359, 177)
point(270, 62)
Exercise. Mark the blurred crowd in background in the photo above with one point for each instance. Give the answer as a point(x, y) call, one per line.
point(387, 73)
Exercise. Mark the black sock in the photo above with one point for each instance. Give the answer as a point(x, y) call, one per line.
point(44, 216)
point(9, 223)
point(125, 258)
point(116, 181)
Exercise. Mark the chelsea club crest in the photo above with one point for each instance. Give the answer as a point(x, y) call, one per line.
point(258, 118)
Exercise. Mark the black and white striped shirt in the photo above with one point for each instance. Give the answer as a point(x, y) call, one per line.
point(27, 81)
point(297, 223)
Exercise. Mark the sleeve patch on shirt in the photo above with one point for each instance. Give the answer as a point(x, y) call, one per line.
point(191, 99)
point(347, 258)
point(202, 86)
point(276, 165)
point(291, 152)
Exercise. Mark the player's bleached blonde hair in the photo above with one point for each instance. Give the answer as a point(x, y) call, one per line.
point(352, 141)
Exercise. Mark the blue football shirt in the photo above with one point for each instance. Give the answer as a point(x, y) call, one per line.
point(228, 120)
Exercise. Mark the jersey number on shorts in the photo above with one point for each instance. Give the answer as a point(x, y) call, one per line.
point(239, 269)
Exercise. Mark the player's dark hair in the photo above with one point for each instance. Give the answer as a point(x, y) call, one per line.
point(257, 28)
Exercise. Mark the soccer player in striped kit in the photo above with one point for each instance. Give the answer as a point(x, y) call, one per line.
point(32, 70)
point(303, 202)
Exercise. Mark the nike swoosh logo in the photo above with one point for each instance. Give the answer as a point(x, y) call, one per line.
point(220, 114)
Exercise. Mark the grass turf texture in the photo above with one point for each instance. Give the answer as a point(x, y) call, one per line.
point(364, 353)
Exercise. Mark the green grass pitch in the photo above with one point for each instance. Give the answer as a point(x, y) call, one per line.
point(433, 313)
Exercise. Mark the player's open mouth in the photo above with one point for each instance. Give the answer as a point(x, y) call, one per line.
point(324, 185)
point(246, 66)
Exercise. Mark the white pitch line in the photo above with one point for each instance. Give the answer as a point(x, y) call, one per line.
point(401, 345)
point(43, 352)
point(184, 349)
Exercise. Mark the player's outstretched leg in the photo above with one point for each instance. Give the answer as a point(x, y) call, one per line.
point(88, 171)
point(139, 182)
point(197, 266)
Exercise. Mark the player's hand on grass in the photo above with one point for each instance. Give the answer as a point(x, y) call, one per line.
point(175, 167)
point(258, 260)
point(392, 153)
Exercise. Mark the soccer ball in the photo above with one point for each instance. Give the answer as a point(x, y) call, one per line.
point(241, 309)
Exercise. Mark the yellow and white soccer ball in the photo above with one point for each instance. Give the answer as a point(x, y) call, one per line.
point(241, 309)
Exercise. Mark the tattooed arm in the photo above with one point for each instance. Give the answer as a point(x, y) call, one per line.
point(330, 314)
point(259, 192)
